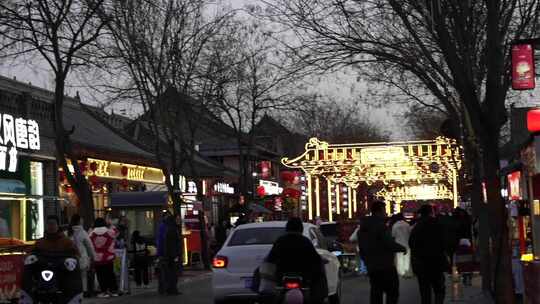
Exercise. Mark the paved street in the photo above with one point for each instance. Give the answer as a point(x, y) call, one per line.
point(356, 290)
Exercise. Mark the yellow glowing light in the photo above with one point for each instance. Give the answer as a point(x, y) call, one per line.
point(338, 205)
point(528, 257)
point(355, 203)
point(329, 192)
point(317, 198)
point(185, 262)
point(349, 197)
point(310, 198)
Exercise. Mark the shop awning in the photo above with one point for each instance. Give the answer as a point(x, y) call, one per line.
point(12, 186)
point(139, 199)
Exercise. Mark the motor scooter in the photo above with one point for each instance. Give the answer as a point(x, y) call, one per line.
point(51, 278)
point(293, 290)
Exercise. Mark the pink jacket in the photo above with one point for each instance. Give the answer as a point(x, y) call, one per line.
point(103, 240)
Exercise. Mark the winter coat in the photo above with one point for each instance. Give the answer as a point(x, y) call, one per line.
point(103, 240)
point(401, 231)
point(84, 245)
point(465, 257)
point(427, 247)
point(375, 244)
point(56, 243)
point(160, 240)
point(172, 247)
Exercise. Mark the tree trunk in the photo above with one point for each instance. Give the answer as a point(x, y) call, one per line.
point(64, 151)
point(501, 251)
point(481, 212)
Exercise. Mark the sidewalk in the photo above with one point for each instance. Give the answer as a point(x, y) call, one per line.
point(188, 276)
point(457, 293)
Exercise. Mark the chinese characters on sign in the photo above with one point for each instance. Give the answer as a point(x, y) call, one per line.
point(16, 133)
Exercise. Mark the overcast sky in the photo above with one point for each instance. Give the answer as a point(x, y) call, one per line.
point(342, 86)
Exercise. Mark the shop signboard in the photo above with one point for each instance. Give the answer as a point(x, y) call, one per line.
point(11, 270)
point(514, 185)
point(115, 170)
point(223, 188)
point(16, 133)
point(270, 187)
point(523, 76)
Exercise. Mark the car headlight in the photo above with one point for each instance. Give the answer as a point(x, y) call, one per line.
point(31, 259)
point(70, 264)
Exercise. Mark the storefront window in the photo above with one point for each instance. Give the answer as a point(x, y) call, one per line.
point(10, 215)
point(142, 220)
point(36, 206)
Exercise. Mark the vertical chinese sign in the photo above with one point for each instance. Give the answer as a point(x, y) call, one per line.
point(523, 74)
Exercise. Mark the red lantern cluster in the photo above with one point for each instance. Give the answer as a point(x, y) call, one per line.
point(261, 191)
point(292, 193)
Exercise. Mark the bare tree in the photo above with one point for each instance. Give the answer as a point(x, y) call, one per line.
point(63, 33)
point(458, 50)
point(336, 122)
point(161, 49)
point(252, 78)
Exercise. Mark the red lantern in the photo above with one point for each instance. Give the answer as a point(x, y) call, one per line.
point(533, 120)
point(93, 180)
point(125, 183)
point(124, 171)
point(83, 165)
point(287, 176)
point(68, 189)
point(261, 191)
point(93, 166)
point(61, 176)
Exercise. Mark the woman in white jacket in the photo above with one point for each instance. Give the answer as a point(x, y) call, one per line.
point(87, 254)
point(401, 231)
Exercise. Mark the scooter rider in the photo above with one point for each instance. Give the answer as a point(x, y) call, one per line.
point(294, 253)
point(57, 255)
point(55, 241)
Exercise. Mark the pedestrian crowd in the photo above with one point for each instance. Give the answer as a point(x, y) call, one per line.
point(98, 249)
point(425, 246)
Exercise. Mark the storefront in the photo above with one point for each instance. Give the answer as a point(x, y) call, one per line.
point(22, 179)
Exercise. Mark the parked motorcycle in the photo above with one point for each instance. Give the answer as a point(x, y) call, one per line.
point(51, 278)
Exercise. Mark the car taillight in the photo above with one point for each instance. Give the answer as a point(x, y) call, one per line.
point(219, 262)
point(292, 285)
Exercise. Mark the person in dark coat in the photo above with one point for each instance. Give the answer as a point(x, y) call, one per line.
point(378, 249)
point(294, 253)
point(140, 259)
point(170, 250)
point(429, 261)
point(450, 225)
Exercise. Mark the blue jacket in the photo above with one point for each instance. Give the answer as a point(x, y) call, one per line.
point(160, 241)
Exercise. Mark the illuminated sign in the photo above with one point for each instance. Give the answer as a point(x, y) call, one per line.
point(114, 170)
point(514, 190)
point(16, 133)
point(223, 188)
point(270, 188)
point(383, 154)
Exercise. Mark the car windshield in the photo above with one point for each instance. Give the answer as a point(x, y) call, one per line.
point(256, 236)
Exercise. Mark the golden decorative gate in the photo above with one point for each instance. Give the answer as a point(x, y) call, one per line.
point(416, 170)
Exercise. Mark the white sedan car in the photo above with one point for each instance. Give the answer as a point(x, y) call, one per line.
point(244, 251)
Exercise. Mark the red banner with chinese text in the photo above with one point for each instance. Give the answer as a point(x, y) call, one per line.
point(523, 74)
point(11, 270)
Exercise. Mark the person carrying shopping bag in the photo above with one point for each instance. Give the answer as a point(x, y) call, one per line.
point(86, 249)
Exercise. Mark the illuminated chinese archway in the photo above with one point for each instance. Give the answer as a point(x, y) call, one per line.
point(405, 171)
